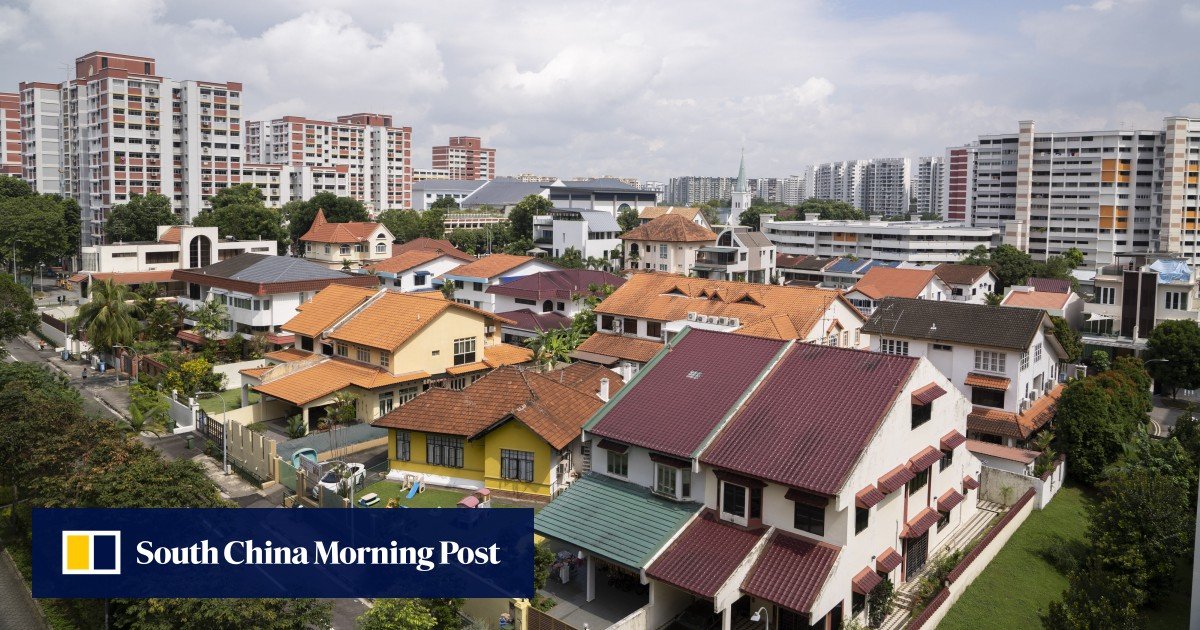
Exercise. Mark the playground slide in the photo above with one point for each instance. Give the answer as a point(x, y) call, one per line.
point(416, 487)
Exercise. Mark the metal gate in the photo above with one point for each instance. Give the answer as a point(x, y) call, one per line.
point(916, 553)
point(210, 429)
point(539, 620)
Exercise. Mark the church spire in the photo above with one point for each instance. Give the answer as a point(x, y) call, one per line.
point(741, 185)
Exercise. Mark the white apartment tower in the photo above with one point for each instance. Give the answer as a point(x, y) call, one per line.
point(927, 185)
point(41, 136)
point(838, 181)
point(793, 189)
point(886, 186)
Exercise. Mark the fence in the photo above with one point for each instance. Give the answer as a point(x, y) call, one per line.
point(1001, 486)
point(249, 451)
point(975, 562)
point(345, 440)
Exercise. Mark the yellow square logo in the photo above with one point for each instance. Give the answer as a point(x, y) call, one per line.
point(91, 552)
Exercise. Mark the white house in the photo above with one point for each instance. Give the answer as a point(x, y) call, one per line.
point(880, 283)
point(739, 254)
point(426, 192)
point(176, 247)
point(414, 270)
point(336, 245)
point(691, 213)
point(1005, 360)
point(472, 280)
point(561, 291)
point(1136, 294)
point(1068, 305)
point(967, 283)
point(592, 233)
point(669, 243)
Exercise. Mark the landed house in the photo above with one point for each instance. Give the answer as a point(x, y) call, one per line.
point(1067, 305)
point(633, 323)
point(384, 347)
point(881, 283)
point(1005, 360)
point(669, 243)
point(547, 300)
point(739, 254)
point(592, 233)
point(802, 270)
point(413, 270)
point(967, 283)
point(1133, 296)
point(766, 482)
point(527, 324)
point(472, 280)
point(345, 245)
point(514, 431)
point(435, 244)
point(693, 214)
point(260, 293)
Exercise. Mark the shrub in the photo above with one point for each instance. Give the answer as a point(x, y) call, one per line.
point(879, 603)
point(543, 558)
point(1065, 556)
point(296, 427)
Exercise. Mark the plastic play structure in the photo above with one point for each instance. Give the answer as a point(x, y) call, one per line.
point(414, 484)
point(481, 498)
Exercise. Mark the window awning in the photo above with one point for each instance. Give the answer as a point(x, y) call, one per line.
point(920, 523)
point(734, 478)
point(868, 497)
point(927, 394)
point(799, 496)
point(667, 460)
point(926, 458)
point(865, 581)
point(987, 381)
point(895, 479)
point(952, 440)
point(888, 561)
point(949, 500)
point(969, 483)
point(422, 273)
point(615, 447)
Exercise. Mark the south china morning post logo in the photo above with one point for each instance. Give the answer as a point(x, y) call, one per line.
point(91, 552)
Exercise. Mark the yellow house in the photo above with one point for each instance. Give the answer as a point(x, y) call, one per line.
point(515, 431)
point(384, 347)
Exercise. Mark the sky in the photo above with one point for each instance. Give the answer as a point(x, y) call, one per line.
point(659, 89)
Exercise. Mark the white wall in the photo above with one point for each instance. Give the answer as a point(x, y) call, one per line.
point(408, 278)
point(641, 469)
point(479, 297)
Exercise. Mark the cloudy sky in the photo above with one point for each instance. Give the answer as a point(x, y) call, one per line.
point(654, 89)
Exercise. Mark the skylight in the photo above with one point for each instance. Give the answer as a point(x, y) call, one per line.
point(694, 374)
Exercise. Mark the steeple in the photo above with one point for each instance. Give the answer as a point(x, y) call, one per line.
point(741, 197)
point(741, 185)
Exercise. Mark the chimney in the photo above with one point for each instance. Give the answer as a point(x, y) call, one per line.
point(604, 389)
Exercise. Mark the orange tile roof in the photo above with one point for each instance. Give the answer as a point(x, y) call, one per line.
point(619, 346)
point(325, 377)
point(545, 402)
point(405, 261)
point(653, 212)
point(670, 228)
point(791, 311)
point(326, 307)
point(255, 372)
point(1036, 299)
point(431, 244)
point(393, 318)
point(506, 354)
point(1016, 425)
point(975, 379)
point(287, 354)
point(322, 231)
point(489, 266)
point(172, 235)
point(881, 282)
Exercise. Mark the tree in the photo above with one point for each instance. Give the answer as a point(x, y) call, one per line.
point(12, 187)
point(445, 202)
point(828, 209)
point(521, 216)
point(17, 313)
point(1100, 361)
point(708, 210)
point(1095, 599)
point(222, 614)
point(387, 614)
point(300, 214)
point(551, 347)
point(241, 194)
point(447, 612)
point(571, 259)
point(879, 603)
point(993, 299)
point(162, 322)
point(543, 559)
point(751, 217)
point(628, 219)
point(194, 375)
point(1178, 342)
point(108, 319)
point(246, 221)
point(344, 409)
point(36, 228)
point(211, 319)
point(405, 225)
point(138, 220)
point(1011, 266)
point(1068, 338)
point(1092, 428)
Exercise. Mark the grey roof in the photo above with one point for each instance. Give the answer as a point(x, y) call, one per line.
point(456, 185)
point(265, 269)
point(755, 239)
point(502, 192)
point(599, 183)
point(957, 322)
point(599, 220)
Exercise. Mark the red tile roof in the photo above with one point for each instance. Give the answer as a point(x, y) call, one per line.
point(431, 244)
point(322, 231)
point(865, 580)
point(526, 319)
point(969, 483)
point(601, 346)
point(888, 560)
point(815, 424)
point(952, 440)
point(688, 392)
point(791, 571)
point(1049, 285)
point(927, 394)
point(172, 235)
point(926, 458)
point(952, 273)
point(489, 266)
point(704, 555)
point(949, 500)
point(986, 380)
point(920, 523)
point(868, 497)
point(1011, 453)
point(895, 479)
point(404, 261)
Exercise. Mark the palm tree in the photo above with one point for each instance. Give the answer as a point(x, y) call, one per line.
point(108, 319)
point(210, 319)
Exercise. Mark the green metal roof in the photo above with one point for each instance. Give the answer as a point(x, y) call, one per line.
point(615, 519)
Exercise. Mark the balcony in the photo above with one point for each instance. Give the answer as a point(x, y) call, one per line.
point(716, 257)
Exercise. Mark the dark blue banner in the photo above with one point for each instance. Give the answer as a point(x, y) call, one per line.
point(283, 553)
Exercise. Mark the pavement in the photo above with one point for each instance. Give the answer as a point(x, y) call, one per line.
point(20, 611)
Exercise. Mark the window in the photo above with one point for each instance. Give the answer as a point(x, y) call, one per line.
point(380, 248)
point(629, 326)
point(478, 286)
point(662, 251)
point(384, 359)
point(386, 400)
point(946, 461)
point(943, 521)
point(809, 518)
point(942, 346)
point(444, 450)
point(345, 249)
point(403, 446)
point(653, 329)
point(733, 500)
point(1106, 295)
point(989, 361)
point(306, 343)
point(517, 465)
point(664, 480)
point(362, 354)
point(1024, 360)
point(921, 414)
point(862, 518)
point(342, 349)
point(893, 346)
point(618, 464)
point(326, 248)
point(918, 481)
point(464, 350)
point(1176, 300)
point(607, 322)
point(419, 280)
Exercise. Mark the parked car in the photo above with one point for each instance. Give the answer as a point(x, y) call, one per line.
point(340, 475)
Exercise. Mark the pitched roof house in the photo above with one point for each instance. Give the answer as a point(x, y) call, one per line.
point(967, 283)
point(412, 270)
point(668, 243)
point(691, 213)
point(472, 280)
point(1067, 305)
point(885, 282)
point(333, 244)
point(431, 244)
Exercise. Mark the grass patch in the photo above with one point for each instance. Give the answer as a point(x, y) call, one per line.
point(1020, 582)
point(431, 498)
point(232, 397)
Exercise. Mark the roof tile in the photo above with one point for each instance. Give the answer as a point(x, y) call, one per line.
point(704, 555)
point(881, 282)
point(920, 523)
point(956, 322)
point(322, 231)
point(620, 347)
point(670, 228)
point(952, 273)
point(489, 266)
point(790, 571)
point(888, 560)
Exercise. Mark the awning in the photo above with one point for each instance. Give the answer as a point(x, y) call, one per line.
point(895, 479)
point(705, 555)
point(926, 458)
point(949, 500)
point(920, 523)
point(615, 447)
point(969, 483)
point(999, 383)
point(422, 273)
point(807, 498)
point(1097, 317)
point(734, 478)
point(868, 497)
point(952, 440)
point(865, 581)
point(927, 394)
point(592, 357)
point(888, 561)
point(667, 460)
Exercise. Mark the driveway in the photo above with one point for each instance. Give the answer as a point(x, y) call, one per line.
point(1162, 418)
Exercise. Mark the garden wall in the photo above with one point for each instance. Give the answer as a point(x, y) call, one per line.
point(182, 412)
point(993, 481)
point(233, 377)
point(252, 451)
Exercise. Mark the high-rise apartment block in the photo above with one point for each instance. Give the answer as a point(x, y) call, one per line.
point(837, 181)
point(958, 202)
point(119, 128)
point(879, 186)
point(10, 133)
point(690, 190)
point(928, 185)
point(794, 189)
point(368, 152)
point(1104, 192)
point(465, 157)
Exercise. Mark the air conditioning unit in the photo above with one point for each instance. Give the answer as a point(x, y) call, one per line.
point(733, 321)
point(722, 321)
point(1048, 386)
point(691, 316)
point(1024, 406)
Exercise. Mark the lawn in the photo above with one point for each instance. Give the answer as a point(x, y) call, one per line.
point(431, 498)
point(232, 397)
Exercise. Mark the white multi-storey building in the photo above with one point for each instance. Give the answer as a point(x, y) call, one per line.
point(794, 189)
point(928, 185)
point(878, 186)
point(592, 233)
point(888, 241)
point(41, 136)
point(837, 181)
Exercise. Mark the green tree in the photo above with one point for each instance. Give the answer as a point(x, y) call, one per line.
point(138, 220)
point(543, 559)
point(388, 614)
point(70, 212)
point(194, 375)
point(993, 299)
point(447, 612)
point(551, 347)
point(708, 210)
point(1011, 266)
point(1068, 338)
point(241, 194)
point(162, 322)
point(628, 219)
point(828, 209)
point(751, 217)
point(571, 259)
point(211, 319)
point(1095, 599)
point(35, 227)
point(1178, 342)
point(108, 319)
point(17, 313)
point(521, 216)
point(405, 225)
point(11, 187)
point(246, 221)
point(1100, 361)
point(344, 408)
point(433, 223)
point(222, 614)
point(300, 214)
point(1092, 428)
point(445, 203)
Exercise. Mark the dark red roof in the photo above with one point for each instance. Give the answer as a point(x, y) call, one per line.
point(1049, 285)
point(790, 571)
point(926, 458)
point(969, 483)
point(865, 580)
point(526, 319)
point(811, 419)
point(949, 500)
point(687, 392)
point(868, 497)
point(927, 394)
point(952, 440)
point(704, 555)
point(430, 244)
point(560, 284)
point(920, 523)
point(895, 478)
point(888, 560)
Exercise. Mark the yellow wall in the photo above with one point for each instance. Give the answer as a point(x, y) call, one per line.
point(481, 458)
point(473, 461)
point(417, 352)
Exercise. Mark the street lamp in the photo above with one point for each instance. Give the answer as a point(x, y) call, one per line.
point(759, 615)
point(224, 429)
